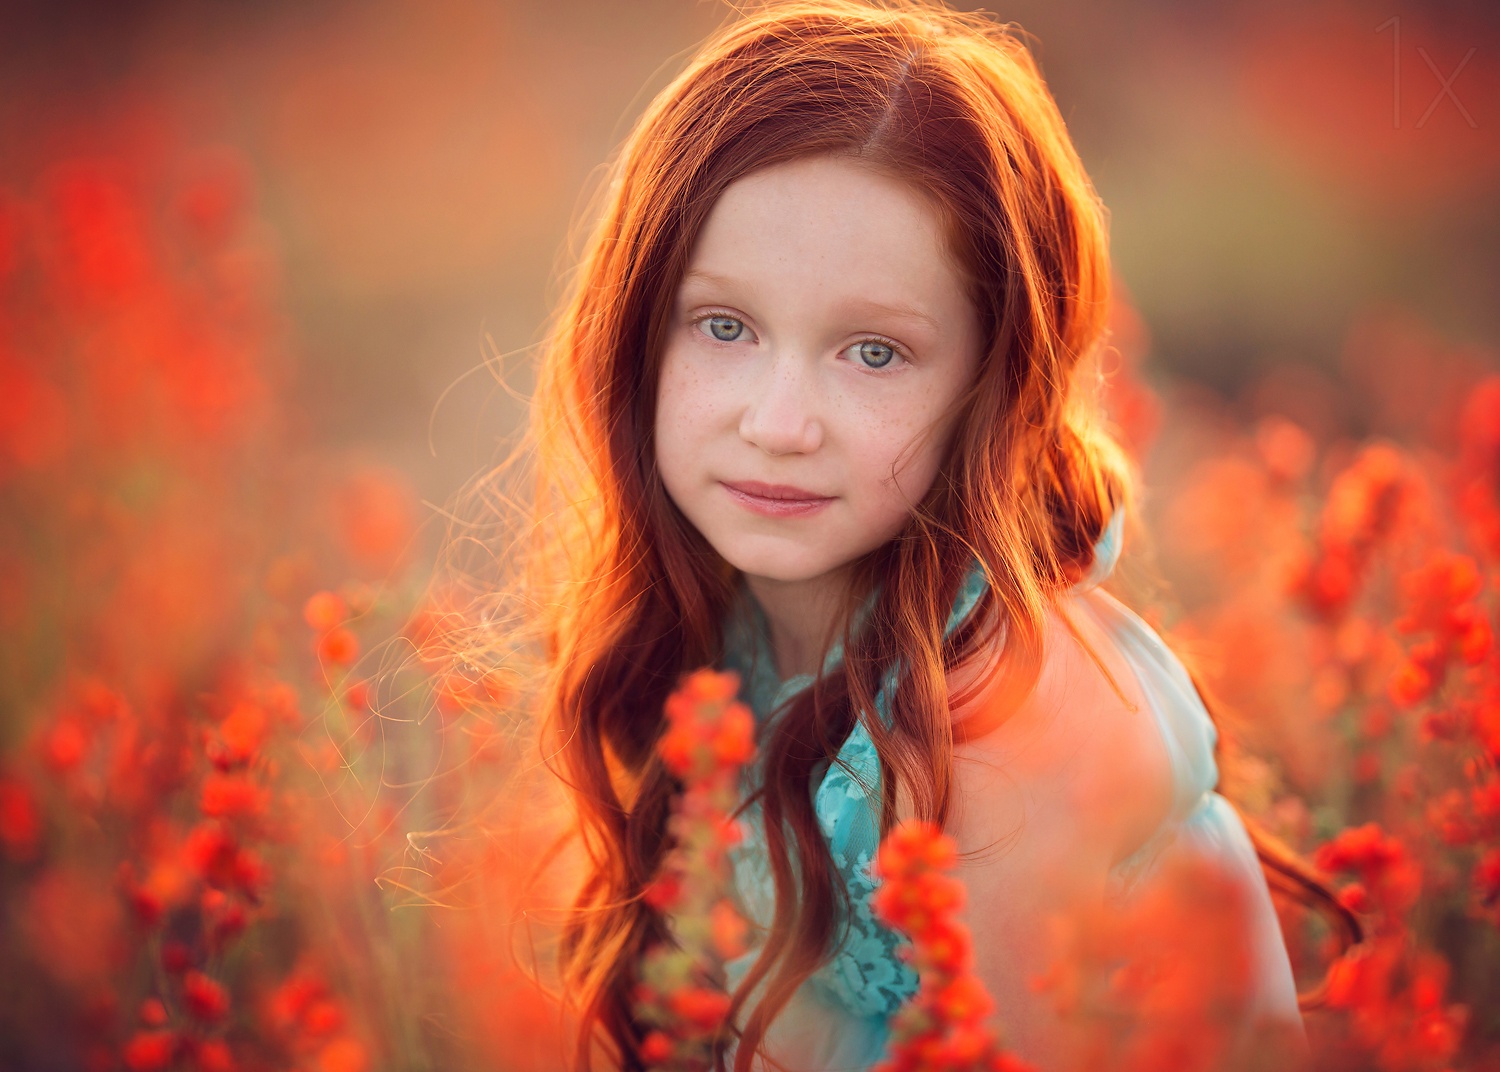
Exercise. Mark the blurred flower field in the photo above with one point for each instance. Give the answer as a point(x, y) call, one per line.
point(256, 813)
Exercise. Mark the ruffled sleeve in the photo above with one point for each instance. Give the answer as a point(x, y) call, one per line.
point(1201, 821)
point(839, 1019)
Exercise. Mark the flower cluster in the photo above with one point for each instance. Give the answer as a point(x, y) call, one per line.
point(215, 785)
point(709, 737)
point(1404, 1022)
point(1163, 975)
point(148, 797)
point(1441, 598)
point(1374, 596)
point(1366, 505)
point(945, 1025)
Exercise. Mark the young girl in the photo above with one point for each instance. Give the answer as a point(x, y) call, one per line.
point(814, 412)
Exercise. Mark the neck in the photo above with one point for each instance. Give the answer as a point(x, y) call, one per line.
point(800, 616)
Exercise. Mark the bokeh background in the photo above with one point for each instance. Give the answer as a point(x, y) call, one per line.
point(272, 274)
point(1281, 177)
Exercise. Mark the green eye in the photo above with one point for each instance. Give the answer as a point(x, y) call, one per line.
point(725, 328)
point(875, 354)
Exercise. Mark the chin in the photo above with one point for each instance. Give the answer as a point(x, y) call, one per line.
point(779, 572)
point(777, 567)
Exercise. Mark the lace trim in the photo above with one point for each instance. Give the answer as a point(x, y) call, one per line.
point(866, 974)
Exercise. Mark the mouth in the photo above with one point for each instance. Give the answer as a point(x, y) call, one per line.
point(784, 493)
point(776, 501)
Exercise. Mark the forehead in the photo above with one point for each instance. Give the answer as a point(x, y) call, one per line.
point(828, 226)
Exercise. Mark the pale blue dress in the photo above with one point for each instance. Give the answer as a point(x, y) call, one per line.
point(838, 1019)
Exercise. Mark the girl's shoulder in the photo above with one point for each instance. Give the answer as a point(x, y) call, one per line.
point(1083, 750)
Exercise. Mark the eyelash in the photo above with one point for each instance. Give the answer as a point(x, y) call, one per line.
point(716, 314)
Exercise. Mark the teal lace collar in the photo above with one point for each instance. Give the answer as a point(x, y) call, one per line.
point(747, 643)
point(747, 647)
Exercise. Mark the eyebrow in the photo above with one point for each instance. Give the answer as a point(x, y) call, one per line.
point(858, 307)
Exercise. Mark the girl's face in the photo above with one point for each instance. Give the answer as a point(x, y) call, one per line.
point(821, 330)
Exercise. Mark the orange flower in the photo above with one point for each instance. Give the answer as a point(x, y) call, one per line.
point(339, 647)
point(324, 611)
point(375, 512)
point(707, 729)
point(729, 930)
point(343, 1055)
point(242, 732)
point(1410, 684)
point(734, 741)
point(964, 1000)
point(708, 736)
point(357, 696)
point(944, 1025)
point(946, 947)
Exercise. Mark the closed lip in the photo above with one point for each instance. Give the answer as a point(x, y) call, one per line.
point(783, 492)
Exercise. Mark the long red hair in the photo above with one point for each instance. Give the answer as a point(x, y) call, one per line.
point(627, 596)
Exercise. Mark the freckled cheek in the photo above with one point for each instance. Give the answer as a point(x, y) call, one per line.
point(691, 408)
point(702, 404)
point(896, 451)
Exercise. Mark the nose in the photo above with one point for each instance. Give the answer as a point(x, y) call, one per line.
point(780, 411)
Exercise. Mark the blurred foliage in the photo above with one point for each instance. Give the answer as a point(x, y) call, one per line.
point(255, 813)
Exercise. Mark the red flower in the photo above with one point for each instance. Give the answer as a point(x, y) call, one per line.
point(204, 999)
point(176, 958)
point(663, 891)
point(20, 825)
point(149, 1051)
point(214, 201)
point(65, 746)
point(1360, 848)
point(232, 797)
point(322, 1017)
point(657, 1048)
point(219, 860)
point(1487, 879)
point(1355, 897)
point(212, 1055)
point(153, 1012)
point(701, 1007)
